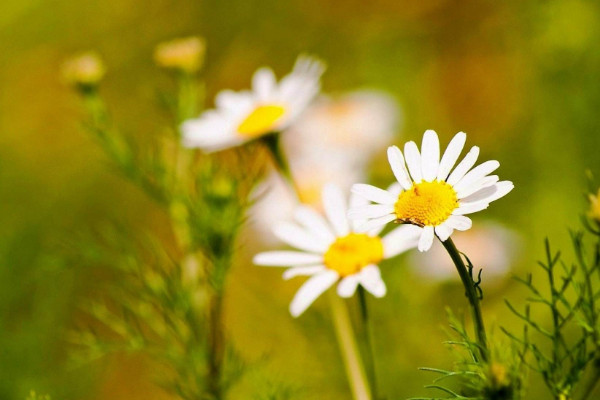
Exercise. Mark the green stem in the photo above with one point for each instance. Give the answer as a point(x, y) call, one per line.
point(472, 296)
point(349, 349)
point(369, 349)
point(590, 382)
point(272, 143)
point(215, 344)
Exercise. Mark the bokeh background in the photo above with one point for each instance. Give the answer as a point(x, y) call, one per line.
point(521, 78)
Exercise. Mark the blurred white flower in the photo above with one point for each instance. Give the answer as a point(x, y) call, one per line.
point(333, 142)
point(490, 247)
point(334, 250)
point(270, 107)
point(358, 123)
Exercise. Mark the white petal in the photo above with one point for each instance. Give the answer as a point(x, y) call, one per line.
point(488, 181)
point(426, 239)
point(400, 240)
point(347, 286)
point(451, 155)
point(396, 161)
point(471, 208)
point(312, 289)
point(376, 222)
point(464, 166)
point(263, 83)
point(303, 271)
point(476, 174)
point(370, 279)
point(286, 258)
point(430, 155)
point(459, 222)
point(373, 193)
point(443, 231)
point(413, 160)
point(503, 188)
point(335, 207)
point(371, 211)
point(395, 189)
point(314, 223)
point(299, 238)
point(481, 194)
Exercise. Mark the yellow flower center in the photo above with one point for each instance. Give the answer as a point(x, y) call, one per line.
point(426, 203)
point(262, 120)
point(351, 253)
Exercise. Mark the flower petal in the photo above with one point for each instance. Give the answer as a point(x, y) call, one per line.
point(335, 207)
point(314, 223)
point(371, 211)
point(373, 193)
point(476, 174)
point(396, 161)
point(370, 279)
point(263, 83)
point(400, 240)
point(451, 155)
point(430, 155)
point(286, 258)
point(376, 222)
point(302, 271)
point(488, 181)
point(299, 238)
point(443, 231)
point(312, 289)
point(464, 166)
point(347, 286)
point(413, 160)
point(459, 222)
point(426, 239)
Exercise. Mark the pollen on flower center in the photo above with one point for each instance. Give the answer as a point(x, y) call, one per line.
point(261, 120)
point(351, 253)
point(426, 203)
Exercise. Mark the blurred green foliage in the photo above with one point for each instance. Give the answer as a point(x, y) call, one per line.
point(519, 77)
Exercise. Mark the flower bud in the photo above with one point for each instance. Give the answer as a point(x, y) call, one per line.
point(83, 71)
point(185, 54)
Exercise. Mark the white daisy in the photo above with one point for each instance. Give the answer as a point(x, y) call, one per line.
point(430, 194)
point(269, 107)
point(335, 250)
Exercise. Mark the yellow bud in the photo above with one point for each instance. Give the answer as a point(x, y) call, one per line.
point(594, 211)
point(84, 70)
point(185, 54)
point(499, 375)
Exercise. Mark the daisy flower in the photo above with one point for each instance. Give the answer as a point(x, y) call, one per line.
point(269, 107)
point(430, 193)
point(335, 250)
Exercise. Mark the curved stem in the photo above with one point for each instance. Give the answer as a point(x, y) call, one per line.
point(349, 349)
point(272, 142)
point(472, 296)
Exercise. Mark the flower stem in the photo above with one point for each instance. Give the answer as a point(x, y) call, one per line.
point(368, 348)
point(591, 381)
point(349, 349)
point(215, 345)
point(472, 296)
point(272, 142)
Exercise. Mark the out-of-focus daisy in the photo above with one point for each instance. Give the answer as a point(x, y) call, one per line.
point(490, 246)
point(269, 107)
point(335, 250)
point(333, 142)
point(275, 199)
point(430, 193)
point(358, 123)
